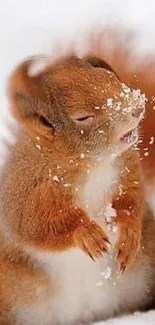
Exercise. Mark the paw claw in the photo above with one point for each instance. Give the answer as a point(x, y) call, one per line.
point(91, 257)
point(107, 241)
point(91, 238)
point(127, 247)
point(122, 268)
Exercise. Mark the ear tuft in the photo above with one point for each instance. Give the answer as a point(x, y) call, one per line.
point(38, 65)
point(28, 98)
point(99, 63)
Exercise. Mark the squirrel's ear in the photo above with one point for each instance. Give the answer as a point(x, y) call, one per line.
point(28, 100)
point(99, 63)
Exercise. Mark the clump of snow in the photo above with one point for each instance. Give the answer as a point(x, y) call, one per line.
point(127, 109)
point(114, 229)
point(127, 169)
point(38, 146)
point(110, 102)
point(134, 98)
point(106, 273)
point(136, 182)
point(139, 99)
point(67, 185)
point(82, 155)
point(151, 140)
point(120, 189)
point(125, 91)
point(109, 213)
point(118, 106)
point(56, 178)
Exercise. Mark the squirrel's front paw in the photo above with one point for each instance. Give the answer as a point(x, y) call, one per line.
point(91, 239)
point(128, 244)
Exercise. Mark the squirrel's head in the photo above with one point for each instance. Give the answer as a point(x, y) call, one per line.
point(77, 107)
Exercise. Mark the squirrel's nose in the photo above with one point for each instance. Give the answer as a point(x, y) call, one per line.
point(138, 111)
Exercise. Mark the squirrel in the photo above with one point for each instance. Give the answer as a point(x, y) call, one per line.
point(71, 197)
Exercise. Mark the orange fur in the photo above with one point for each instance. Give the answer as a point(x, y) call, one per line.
point(39, 205)
point(137, 73)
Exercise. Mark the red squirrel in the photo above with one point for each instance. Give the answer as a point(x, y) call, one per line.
point(72, 176)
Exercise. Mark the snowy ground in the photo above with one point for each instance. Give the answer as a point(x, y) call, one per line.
point(137, 319)
point(31, 27)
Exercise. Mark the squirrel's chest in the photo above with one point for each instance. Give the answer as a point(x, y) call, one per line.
point(97, 189)
point(83, 291)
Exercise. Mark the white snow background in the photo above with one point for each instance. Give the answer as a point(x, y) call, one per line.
point(29, 27)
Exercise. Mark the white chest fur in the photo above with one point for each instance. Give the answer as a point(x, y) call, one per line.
point(83, 290)
point(95, 193)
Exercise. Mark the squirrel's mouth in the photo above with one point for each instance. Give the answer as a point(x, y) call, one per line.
point(130, 137)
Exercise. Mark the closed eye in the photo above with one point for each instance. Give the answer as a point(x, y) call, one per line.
point(84, 118)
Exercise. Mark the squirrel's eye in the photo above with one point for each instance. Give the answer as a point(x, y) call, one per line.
point(86, 118)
